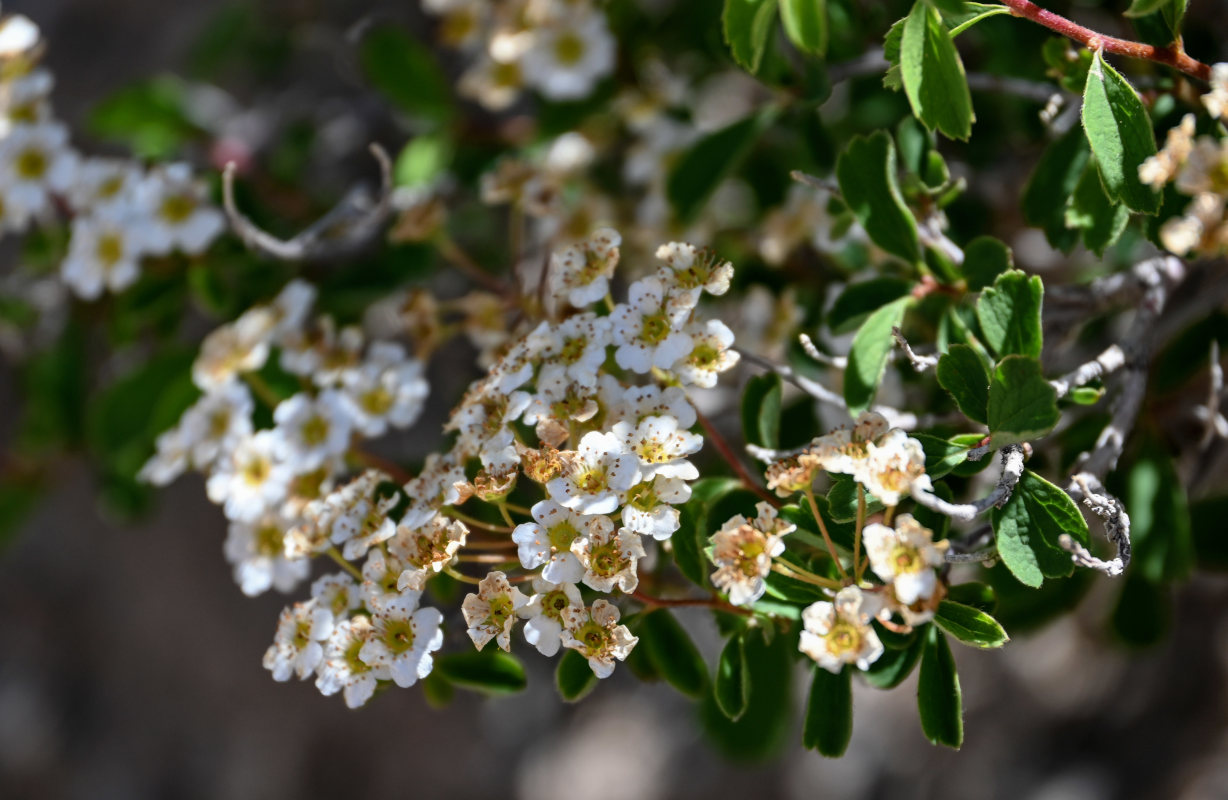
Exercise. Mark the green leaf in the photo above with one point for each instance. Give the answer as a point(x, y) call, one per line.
point(732, 685)
point(672, 652)
point(1159, 517)
point(975, 594)
point(406, 72)
point(695, 527)
point(422, 160)
point(970, 625)
point(829, 712)
point(868, 355)
point(806, 24)
point(574, 678)
point(1090, 210)
point(860, 300)
point(1119, 132)
point(491, 671)
point(938, 696)
point(149, 117)
point(1028, 527)
point(866, 171)
point(748, 25)
point(765, 727)
point(1022, 404)
point(1141, 8)
point(894, 665)
point(1051, 185)
point(941, 455)
point(962, 373)
point(985, 258)
point(841, 504)
point(1009, 313)
point(761, 410)
point(700, 169)
point(1143, 613)
point(933, 74)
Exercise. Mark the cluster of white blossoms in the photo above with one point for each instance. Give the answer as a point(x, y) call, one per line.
point(560, 48)
point(1197, 167)
point(121, 213)
point(888, 465)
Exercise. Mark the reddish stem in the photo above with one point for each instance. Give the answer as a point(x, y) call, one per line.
point(1173, 55)
point(702, 602)
point(735, 463)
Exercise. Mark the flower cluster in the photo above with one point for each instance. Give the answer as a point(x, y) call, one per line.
point(1198, 168)
point(121, 213)
point(559, 49)
point(887, 465)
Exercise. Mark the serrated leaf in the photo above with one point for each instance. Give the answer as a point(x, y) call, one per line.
point(672, 652)
point(1090, 210)
point(1009, 314)
point(962, 373)
point(699, 170)
point(573, 677)
point(805, 24)
point(732, 685)
point(491, 671)
point(939, 699)
point(970, 625)
point(1027, 528)
point(761, 410)
point(941, 455)
point(867, 358)
point(1119, 132)
point(748, 25)
point(829, 712)
point(1022, 404)
point(866, 171)
point(933, 74)
point(1052, 182)
point(860, 300)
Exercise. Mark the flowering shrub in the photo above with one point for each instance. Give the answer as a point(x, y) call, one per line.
point(561, 230)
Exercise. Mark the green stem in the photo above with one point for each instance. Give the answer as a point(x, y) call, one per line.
point(818, 518)
point(335, 555)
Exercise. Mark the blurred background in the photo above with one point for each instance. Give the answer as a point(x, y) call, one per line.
point(130, 662)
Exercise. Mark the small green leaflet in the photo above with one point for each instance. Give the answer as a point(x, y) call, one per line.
point(700, 169)
point(1009, 313)
point(829, 712)
point(761, 410)
point(672, 652)
point(1022, 404)
point(868, 355)
point(1028, 527)
point(939, 699)
point(573, 677)
point(732, 685)
point(806, 24)
point(933, 74)
point(1052, 183)
point(1141, 8)
point(985, 258)
point(962, 373)
point(1119, 132)
point(748, 25)
point(1101, 220)
point(866, 171)
point(970, 625)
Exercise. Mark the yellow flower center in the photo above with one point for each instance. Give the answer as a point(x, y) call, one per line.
point(398, 636)
point(32, 164)
point(569, 49)
point(177, 208)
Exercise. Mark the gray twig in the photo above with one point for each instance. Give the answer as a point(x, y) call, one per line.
point(1213, 421)
point(349, 226)
point(1012, 471)
point(919, 363)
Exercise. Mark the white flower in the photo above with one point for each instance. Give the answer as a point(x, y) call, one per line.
point(609, 558)
point(35, 163)
point(577, 346)
point(238, 347)
point(844, 450)
point(905, 557)
point(557, 403)
point(257, 551)
point(18, 36)
point(893, 467)
point(312, 429)
point(298, 647)
point(322, 354)
point(583, 270)
point(105, 184)
point(710, 354)
point(742, 551)
point(543, 614)
point(426, 550)
point(251, 479)
point(338, 592)
point(648, 328)
point(388, 390)
point(178, 214)
point(170, 460)
point(595, 474)
point(661, 446)
point(596, 634)
point(548, 540)
point(435, 486)
point(291, 307)
point(217, 422)
point(402, 640)
point(483, 418)
point(492, 83)
point(382, 579)
point(692, 269)
point(491, 612)
point(637, 403)
point(1216, 100)
point(839, 632)
point(648, 507)
point(343, 669)
point(567, 59)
